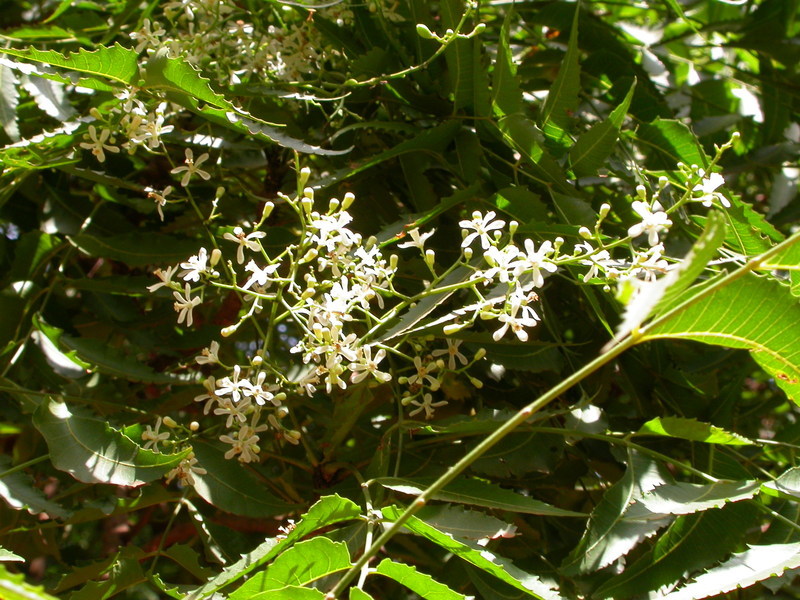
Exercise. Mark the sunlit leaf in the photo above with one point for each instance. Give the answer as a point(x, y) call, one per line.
point(421, 584)
point(691, 429)
point(14, 587)
point(562, 99)
point(94, 452)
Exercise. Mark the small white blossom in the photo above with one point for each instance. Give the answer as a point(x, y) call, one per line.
point(195, 266)
point(481, 225)
point(259, 277)
point(244, 241)
point(152, 437)
point(534, 261)
point(417, 239)
point(97, 144)
point(367, 365)
point(426, 405)
point(452, 352)
point(209, 355)
point(707, 188)
point(186, 470)
point(653, 221)
point(160, 198)
point(184, 304)
point(423, 374)
point(192, 168)
point(164, 276)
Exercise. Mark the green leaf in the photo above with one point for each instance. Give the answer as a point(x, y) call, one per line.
point(478, 493)
point(111, 361)
point(302, 564)
point(327, 511)
point(787, 485)
point(94, 452)
point(484, 559)
point(562, 99)
point(608, 535)
point(188, 558)
point(465, 525)
point(14, 587)
point(359, 594)
point(663, 294)
point(232, 487)
point(19, 492)
point(137, 249)
point(66, 364)
point(8, 556)
point(124, 572)
point(690, 543)
point(684, 498)
point(742, 570)
point(421, 584)
point(668, 142)
point(291, 592)
point(469, 81)
point(506, 93)
point(112, 62)
point(589, 153)
point(520, 203)
point(752, 312)
point(691, 429)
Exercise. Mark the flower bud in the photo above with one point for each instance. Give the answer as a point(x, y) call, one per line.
point(228, 331)
point(268, 208)
point(256, 360)
point(282, 412)
point(585, 233)
point(453, 328)
point(393, 261)
point(307, 204)
point(309, 256)
point(480, 354)
point(424, 32)
point(512, 227)
point(219, 193)
point(557, 243)
point(430, 257)
point(347, 201)
point(302, 177)
point(605, 208)
point(278, 398)
point(641, 191)
point(169, 422)
point(216, 254)
point(476, 382)
point(333, 204)
point(194, 426)
point(468, 253)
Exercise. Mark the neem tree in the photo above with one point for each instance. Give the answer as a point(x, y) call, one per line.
point(399, 299)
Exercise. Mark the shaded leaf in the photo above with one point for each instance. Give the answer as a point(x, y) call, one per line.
point(788, 484)
point(9, 100)
point(684, 498)
point(478, 493)
point(300, 565)
point(421, 584)
point(137, 249)
point(94, 452)
point(232, 487)
point(465, 525)
point(692, 429)
point(484, 559)
point(19, 492)
point(668, 142)
point(590, 151)
point(506, 93)
point(562, 99)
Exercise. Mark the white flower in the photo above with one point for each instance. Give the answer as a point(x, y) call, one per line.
point(262, 393)
point(195, 266)
point(245, 444)
point(233, 386)
point(533, 262)
point(185, 304)
point(152, 437)
point(367, 365)
point(147, 35)
point(481, 225)
point(209, 355)
point(707, 188)
point(423, 374)
point(426, 405)
point(244, 241)
point(652, 222)
point(97, 144)
point(517, 324)
point(186, 470)
point(417, 239)
point(160, 198)
point(453, 353)
point(191, 167)
point(164, 276)
point(502, 263)
point(260, 277)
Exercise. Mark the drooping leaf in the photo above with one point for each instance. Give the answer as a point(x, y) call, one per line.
point(486, 560)
point(465, 525)
point(590, 151)
point(66, 363)
point(608, 534)
point(684, 498)
point(469, 81)
point(421, 584)
point(788, 484)
point(477, 492)
point(300, 565)
point(94, 452)
point(692, 542)
point(328, 510)
point(506, 93)
point(230, 486)
point(124, 572)
point(691, 429)
point(50, 97)
point(562, 98)
point(742, 570)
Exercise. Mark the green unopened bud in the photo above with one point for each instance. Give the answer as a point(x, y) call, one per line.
point(393, 262)
point(216, 254)
point(476, 382)
point(96, 113)
point(229, 330)
point(194, 426)
point(641, 191)
point(468, 253)
point(480, 353)
point(512, 227)
point(268, 208)
point(585, 233)
point(307, 204)
point(169, 422)
point(279, 397)
point(309, 256)
point(282, 411)
point(333, 205)
point(557, 243)
point(257, 360)
point(478, 28)
point(453, 328)
point(424, 32)
point(605, 208)
point(219, 193)
point(371, 241)
point(662, 182)
point(348, 200)
point(302, 177)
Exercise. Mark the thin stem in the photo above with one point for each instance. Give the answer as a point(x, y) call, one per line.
point(25, 465)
